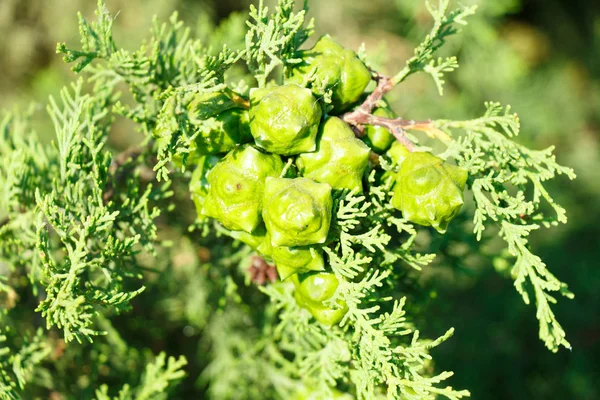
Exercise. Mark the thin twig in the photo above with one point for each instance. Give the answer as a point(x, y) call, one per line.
point(396, 126)
point(384, 85)
point(363, 115)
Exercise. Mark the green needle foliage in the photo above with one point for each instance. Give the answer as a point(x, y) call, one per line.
point(508, 189)
point(445, 25)
point(92, 242)
point(155, 381)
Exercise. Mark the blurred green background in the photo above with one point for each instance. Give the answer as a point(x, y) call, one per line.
point(540, 56)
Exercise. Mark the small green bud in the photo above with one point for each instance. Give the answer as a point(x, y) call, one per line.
point(293, 260)
point(284, 119)
point(379, 138)
point(199, 182)
point(339, 68)
point(328, 316)
point(340, 159)
point(297, 211)
point(501, 264)
point(398, 153)
point(236, 187)
point(312, 290)
point(316, 288)
point(429, 192)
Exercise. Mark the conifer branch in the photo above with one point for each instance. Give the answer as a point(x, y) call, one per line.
point(79, 222)
point(363, 115)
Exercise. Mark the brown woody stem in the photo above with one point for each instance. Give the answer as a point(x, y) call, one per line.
point(363, 115)
point(384, 85)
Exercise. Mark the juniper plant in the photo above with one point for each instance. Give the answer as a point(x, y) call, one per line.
point(86, 233)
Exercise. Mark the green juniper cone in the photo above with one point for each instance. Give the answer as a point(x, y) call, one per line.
point(428, 191)
point(223, 133)
point(314, 289)
point(292, 260)
point(236, 187)
point(284, 119)
point(220, 122)
point(199, 183)
point(338, 68)
point(297, 211)
point(340, 159)
point(289, 260)
point(378, 138)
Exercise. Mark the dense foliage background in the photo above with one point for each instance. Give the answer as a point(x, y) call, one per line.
point(539, 56)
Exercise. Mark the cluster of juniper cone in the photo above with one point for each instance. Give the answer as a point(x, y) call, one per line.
point(266, 168)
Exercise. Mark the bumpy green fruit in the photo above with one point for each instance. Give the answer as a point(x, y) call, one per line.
point(293, 260)
point(379, 138)
point(220, 122)
point(340, 159)
point(236, 187)
point(427, 191)
point(312, 290)
point(297, 212)
point(199, 183)
point(339, 68)
point(223, 133)
point(284, 119)
point(288, 260)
